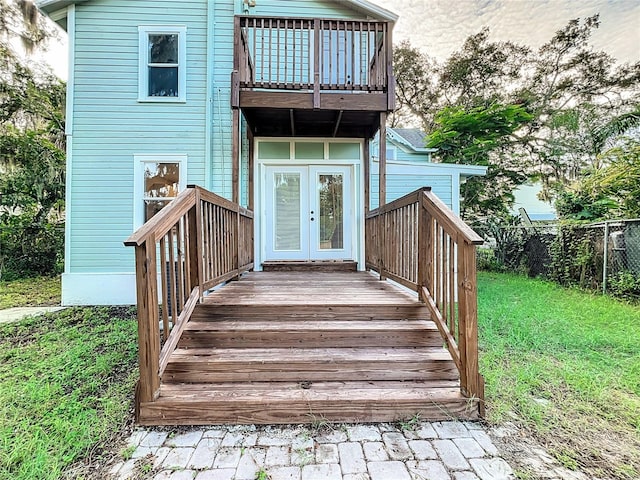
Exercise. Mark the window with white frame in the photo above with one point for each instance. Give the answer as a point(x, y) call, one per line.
point(158, 180)
point(392, 152)
point(163, 63)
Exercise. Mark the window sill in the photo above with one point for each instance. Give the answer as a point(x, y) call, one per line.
point(161, 100)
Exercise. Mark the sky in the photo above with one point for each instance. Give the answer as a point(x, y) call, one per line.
point(439, 27)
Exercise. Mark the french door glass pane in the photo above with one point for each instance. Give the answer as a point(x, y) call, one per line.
point(331, 215)
point(287, 211)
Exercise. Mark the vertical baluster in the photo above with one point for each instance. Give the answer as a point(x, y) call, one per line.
point(179, 260)
point(262, 52)
point(270, 51)
point(346, 55)
point(172, 276)
point(164, 304)
point(452, 288)
point(278, 52)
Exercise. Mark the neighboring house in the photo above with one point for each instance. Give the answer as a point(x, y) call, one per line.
point(409, 167)
point(526, 196)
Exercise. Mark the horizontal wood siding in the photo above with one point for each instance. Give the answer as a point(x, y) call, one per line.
point(404, 156)
point(110, 125)
point(399, 184)
point(221, 140)
point(303, 8)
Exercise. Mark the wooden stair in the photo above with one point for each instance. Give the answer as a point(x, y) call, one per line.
point(310, 266)
point(303, 363)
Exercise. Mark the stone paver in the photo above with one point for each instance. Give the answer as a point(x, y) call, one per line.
point(328, 471)
point(435, 451)
point(450, 455)
point(387, 470)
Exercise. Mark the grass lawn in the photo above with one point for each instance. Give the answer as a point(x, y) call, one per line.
point(566, 364)
point(30, 292)
point(66, 388)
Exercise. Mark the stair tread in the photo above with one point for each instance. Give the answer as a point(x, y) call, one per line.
point(320, 391)
point(311, 355)
point(309, 325)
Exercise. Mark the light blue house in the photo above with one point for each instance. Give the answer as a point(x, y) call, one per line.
point(228, 95)
point(409, 166)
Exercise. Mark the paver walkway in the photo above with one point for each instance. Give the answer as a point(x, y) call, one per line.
point(422, 451)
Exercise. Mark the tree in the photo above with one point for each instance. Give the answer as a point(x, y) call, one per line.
point(609, 191)
point(577, 102)
point(31, 151)
point(482, 136)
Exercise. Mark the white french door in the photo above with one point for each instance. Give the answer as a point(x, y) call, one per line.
point(309, 212)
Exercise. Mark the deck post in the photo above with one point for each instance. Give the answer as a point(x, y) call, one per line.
point(251, 193)
point(467, 321)
point(194, 228)
point(382, 187)
point(367, 176)
point(235, 156)
point(382, 159)
point(148, 321)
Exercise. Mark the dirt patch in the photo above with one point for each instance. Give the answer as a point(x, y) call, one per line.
point(555, 456)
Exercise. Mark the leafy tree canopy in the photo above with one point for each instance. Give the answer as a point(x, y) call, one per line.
point(32, 143)
point(547, 113)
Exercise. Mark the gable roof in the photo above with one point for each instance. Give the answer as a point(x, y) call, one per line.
point(412, 138)
point(363, 6)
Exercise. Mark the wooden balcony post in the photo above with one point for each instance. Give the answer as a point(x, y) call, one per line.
point(148, 321)
point(367, 176)
point(389, 78)
point(251, 193)
point(235, 156)
point(382, 160)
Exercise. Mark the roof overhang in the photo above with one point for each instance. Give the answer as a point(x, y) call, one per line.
point(399, 139)
point(368, 8)
point(50, 6)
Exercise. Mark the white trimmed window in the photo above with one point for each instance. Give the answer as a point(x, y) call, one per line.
point(162, 75)
point(158, 180)
point(392, 152)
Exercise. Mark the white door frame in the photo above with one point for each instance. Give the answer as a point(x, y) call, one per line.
point(357, 193)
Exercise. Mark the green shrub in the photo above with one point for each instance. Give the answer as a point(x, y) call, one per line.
point(29, 249)
point(624, 285)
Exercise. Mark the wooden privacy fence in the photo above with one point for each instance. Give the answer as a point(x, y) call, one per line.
point(299, 53)
point(196, 242)
point(420, 243)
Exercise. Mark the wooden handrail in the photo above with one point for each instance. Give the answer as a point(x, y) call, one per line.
point(196, 242)
point(422, 244)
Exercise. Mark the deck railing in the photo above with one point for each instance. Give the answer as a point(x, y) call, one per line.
point(420, 243)
point(196, 242)
point(312, 54)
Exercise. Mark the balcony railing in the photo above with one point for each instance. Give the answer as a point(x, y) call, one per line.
point(312, 54)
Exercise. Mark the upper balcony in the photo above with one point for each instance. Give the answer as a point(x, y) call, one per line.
point(312, 77)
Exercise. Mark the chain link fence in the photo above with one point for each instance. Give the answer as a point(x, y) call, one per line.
point(602, 256)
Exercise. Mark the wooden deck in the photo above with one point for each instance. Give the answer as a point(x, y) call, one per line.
point(302, 347)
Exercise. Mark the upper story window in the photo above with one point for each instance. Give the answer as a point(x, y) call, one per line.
point(163, 63)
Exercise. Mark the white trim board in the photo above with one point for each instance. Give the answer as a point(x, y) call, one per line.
point(98, 289)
